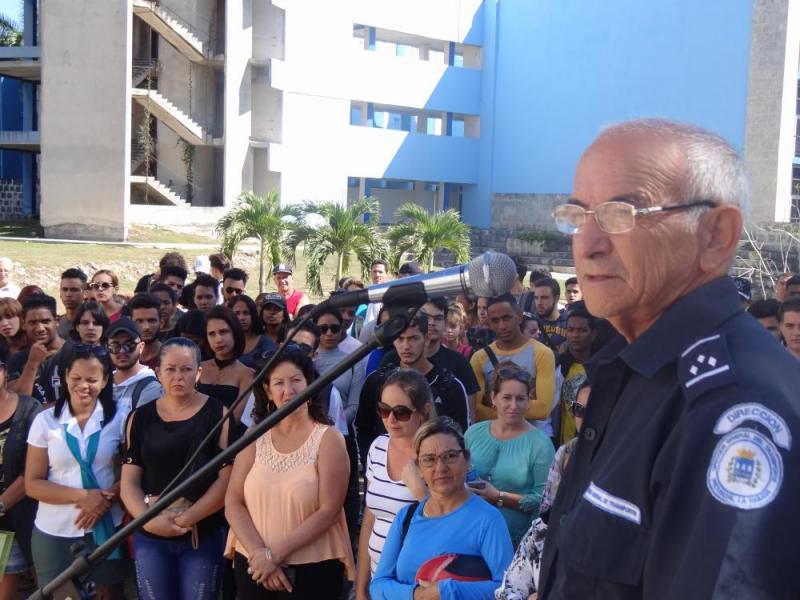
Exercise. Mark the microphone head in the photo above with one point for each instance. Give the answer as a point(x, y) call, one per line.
point(491, 274)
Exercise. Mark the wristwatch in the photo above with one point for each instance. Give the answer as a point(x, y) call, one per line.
point(499, 502)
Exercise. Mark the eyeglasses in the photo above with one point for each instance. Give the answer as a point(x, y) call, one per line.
point(87, 349)
point(233, 290)
point(334, 329)
point(100, 285)
point(614, 216)
point(449, 458)
point(577, 409)
point(401, 413)
point(120, 347)
point(520, 375)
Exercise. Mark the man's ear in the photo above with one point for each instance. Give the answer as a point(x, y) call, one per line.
point(719, 234)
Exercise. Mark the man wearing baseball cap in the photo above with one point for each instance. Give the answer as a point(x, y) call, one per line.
point(134, 384)
point(283, 277)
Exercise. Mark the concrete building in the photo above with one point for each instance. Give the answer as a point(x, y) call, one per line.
point(165, 111)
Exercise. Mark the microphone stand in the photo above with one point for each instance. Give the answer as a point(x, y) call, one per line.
point(71, 584)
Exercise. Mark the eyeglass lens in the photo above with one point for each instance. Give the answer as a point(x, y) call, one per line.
point(401, 413)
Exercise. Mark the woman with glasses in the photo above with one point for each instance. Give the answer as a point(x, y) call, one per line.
point(178, 554)
point(256, 344)
point(284, 502)
point(392, 476)
point(17, 511)
point(13, 335)
point(90, 325)
point(103, 287)
point(72, 453)
point(509, 454)
point(451, 520)
point(522, 576)
point(223, 377)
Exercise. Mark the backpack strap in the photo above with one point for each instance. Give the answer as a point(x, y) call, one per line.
point(138, 388)
point(492, 356)
point(407, 521)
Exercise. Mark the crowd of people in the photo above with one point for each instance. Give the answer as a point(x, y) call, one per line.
point(435, 467)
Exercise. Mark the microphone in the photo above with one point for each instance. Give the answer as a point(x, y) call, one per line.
point(490, 274)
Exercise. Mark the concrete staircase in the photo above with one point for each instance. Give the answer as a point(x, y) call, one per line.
point(175, 31)
point(173, 117)
point(157, 192)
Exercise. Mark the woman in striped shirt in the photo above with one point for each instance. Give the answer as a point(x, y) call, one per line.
point(393, 478)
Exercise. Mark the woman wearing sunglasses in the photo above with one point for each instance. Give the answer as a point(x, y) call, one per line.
point(284, 502)
point(72, 452)
point(522, 575)
point(103, 287)
point(392, 476)
point(451, 520)
point(510, 455)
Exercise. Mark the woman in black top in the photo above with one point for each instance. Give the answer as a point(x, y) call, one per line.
point(17, 511)
point(179, 553)
point(223, 376)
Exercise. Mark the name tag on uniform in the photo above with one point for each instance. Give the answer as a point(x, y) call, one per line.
point(612, 504)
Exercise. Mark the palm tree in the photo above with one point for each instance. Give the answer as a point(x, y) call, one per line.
point(421, 234)
point(262, 218)
point(346, 231)
point(10, 33)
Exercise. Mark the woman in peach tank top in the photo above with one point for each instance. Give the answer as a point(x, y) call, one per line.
point(285, 497)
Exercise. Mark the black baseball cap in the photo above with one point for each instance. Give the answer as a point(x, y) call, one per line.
point(275, 299)
point(411, 268)
point(125, 324)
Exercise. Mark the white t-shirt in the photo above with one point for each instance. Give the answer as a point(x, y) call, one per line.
point(385, 497)
point(47, 431)
point(9, 290)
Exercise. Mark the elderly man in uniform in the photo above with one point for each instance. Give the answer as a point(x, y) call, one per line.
point(685, 481)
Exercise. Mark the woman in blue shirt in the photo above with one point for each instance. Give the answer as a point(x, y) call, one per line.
point(511, 456)
point(450, 520)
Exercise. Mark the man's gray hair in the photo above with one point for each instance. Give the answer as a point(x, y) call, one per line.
point(715, 171)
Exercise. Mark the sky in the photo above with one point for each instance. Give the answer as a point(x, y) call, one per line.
point(11, 8)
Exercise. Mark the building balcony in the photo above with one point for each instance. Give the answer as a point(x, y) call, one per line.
point(21, 62)
point(25, 141)
point(370, 77)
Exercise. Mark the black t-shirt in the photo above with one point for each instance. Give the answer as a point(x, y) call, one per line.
point(449, 399)
point(161, 448)
point(47, 385)
point(144, 283)
point(447, 359)
point(5, 426)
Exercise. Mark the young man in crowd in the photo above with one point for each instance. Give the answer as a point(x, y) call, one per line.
point(581, 333)
point(449, 394)
point(552, 320)
point(234, 282)
point(134, 383)
point(504, 318)
point(174, 276)
point(378, 272)
point(168, 313)
point(145, 311)
point(218, 264)
point(283, 276)
point(789, 322)
point(34, 372)
point(72, 292)
point(766, 312)
point(169, 259)
point(206, 289)
point(572, 291)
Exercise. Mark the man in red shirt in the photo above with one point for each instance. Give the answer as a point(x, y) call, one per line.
point(283, 277)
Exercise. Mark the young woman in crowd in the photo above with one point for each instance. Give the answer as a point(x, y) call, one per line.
point(192, 326)
point(530, 326)
point(73, 448)
point(179, 553)
point(510, 455)
point(223, 377)
point(103, 288)
point(256, 344)
point(450, 520)
point(168, 313)
point(13, 335)
point(90, 324)
point(17, 510)
point(274, 317)
point(392, 476)
point(284, 501)
point(521, 577)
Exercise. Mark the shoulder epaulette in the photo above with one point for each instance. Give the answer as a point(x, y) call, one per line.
point(705, 365)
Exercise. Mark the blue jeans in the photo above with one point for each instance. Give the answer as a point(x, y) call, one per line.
point(170, 569)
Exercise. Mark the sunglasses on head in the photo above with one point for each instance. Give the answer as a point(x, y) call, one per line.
point(332, 328)
point(521, 375)
point(119, 347)
point(100, 285)
point(577, 409)
point(304, 349)
point(233, 290)
point(401, 413)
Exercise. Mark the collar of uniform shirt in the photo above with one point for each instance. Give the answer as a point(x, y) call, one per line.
point(690, 318)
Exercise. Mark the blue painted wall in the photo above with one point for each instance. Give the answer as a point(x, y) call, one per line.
point(555, 72)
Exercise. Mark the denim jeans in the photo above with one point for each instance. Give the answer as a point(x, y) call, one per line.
point(170, 569)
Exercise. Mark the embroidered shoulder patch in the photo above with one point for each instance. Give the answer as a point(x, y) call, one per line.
point(705, 365)
point(757, 413)
point(746, 470)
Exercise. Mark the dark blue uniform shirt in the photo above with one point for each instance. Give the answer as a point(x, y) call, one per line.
point(685, 482)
